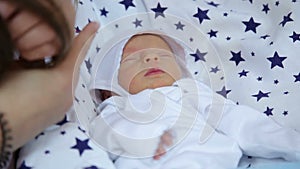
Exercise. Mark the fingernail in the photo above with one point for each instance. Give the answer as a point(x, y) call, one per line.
point(96, 25)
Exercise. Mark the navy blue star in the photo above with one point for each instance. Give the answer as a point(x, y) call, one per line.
point(199, 56)
point(286, 93)
point(295, 36)
point(225, 14)
point(63, 121)
point(179, 25)
point(212, 33)
point(251, 1)
point(224, 92)
point(266, 8)
point(91, 167)
point(104, 12)
point(24, 166)
point(276, 81)
point(286, 19)
point(265, 36)
point(127, 3)
point(88, 65)
point(236, 57)
point(260, 95)
point(212, 4)
point(81, 146)
point(285, 113)
point(259, 79)
point(41, 134)
point(297, 78)
point(277, 3)
point(251, 25)
point(63, 132)
point(252, 54)
point(214, 70)
point(137, 23)
point(268, 112)
point(276, 60)
point(159, 11)
point(76, 99)
point(243, 73)
point(77, 29)
point(98, 49)
point(201, 15)
point(80, 129)
point(228, 38)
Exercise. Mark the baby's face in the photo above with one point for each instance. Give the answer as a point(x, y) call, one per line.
point(147, 63)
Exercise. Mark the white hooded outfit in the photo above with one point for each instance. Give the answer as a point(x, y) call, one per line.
point(209, 131)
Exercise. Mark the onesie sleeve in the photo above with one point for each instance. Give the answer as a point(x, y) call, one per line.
point(119, 135)
point(257, 134)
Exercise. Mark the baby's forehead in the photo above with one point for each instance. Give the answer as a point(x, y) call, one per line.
point(145, 41)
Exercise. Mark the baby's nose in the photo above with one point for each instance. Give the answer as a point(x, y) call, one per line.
point(151, 58)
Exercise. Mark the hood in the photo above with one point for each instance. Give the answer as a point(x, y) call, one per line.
point(105, 76)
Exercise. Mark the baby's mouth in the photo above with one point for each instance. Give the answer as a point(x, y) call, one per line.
point(153, 71)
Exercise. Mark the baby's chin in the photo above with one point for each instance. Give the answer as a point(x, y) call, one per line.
point(153, 84)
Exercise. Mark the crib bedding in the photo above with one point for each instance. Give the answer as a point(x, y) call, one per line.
point(245, 50)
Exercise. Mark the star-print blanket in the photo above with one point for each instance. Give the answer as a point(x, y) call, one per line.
point(246, 50)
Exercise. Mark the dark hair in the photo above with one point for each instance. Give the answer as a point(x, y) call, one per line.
point(51, 13)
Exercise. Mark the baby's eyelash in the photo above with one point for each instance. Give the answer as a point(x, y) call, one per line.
point(129, 59)
point(165, 55)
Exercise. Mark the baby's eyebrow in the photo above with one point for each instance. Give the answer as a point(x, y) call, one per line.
point(129, 50)
point(124, 57)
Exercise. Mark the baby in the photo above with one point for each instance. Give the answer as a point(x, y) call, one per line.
point(153, 93)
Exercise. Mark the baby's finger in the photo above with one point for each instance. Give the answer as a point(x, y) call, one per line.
point(167, 138)
point(160, 151)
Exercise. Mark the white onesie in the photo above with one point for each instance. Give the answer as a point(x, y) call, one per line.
point(130, 127)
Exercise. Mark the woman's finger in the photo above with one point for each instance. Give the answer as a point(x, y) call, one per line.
point(21, 23)
point(47, 49)
point(79, 49)
point(6, 9)
point(38, 48)
point(80, 46)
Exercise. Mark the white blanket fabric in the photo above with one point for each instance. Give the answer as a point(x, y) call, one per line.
point(246, 50)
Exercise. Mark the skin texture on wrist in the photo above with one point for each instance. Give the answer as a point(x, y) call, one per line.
point(5, 142)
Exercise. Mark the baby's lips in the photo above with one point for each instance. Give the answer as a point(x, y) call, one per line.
point(153, 71)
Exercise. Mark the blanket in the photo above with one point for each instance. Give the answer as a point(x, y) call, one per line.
point(245, 50)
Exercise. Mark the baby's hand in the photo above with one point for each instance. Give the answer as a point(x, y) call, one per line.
point(166, 140)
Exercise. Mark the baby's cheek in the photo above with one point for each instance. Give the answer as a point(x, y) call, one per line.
point(135, 85)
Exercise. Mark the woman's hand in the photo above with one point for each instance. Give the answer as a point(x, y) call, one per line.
point(33, 38)
point(36, 98)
